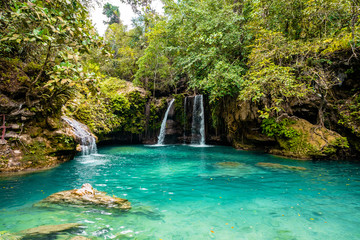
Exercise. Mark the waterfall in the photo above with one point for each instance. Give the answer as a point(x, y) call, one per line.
point(198, 122)
point(185, 119)
point(162, 133)
point(86, 139)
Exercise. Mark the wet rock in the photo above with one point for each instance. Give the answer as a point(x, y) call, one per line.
point(49, 229)
point(23, 113)
point(280, 166)
point(85, 196)
point(7, 105)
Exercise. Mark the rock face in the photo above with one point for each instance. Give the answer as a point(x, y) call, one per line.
point(85, 196)
point(35, 137)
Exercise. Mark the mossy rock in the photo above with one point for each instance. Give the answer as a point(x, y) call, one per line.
point(312, 141)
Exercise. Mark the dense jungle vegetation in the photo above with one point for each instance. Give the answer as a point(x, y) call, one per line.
point(268, 53)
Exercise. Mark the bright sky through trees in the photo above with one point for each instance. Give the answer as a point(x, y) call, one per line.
point(126, 14)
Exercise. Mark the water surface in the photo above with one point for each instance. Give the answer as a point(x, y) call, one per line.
point(181, 192)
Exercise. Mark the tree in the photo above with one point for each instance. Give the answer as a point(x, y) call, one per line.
point(122, 63)
point(49, 36)
point(112, 13)
point(206, 40)
point(155, 70)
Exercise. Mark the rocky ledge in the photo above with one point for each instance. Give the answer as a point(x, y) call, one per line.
point(85, 196)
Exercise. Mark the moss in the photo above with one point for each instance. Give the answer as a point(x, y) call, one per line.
point(119, 106)
point(62, 142)
point(310, 141)
point(36, 154)
point(34, 131)
point(349, 114)
point(155, 118)
point(179, 108)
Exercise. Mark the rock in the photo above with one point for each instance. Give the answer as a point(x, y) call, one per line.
point(11, 134)
point(17, 152)
point(48, 229)
point(229, 164)
point(14, 126)
point(280, 166)
point(84, 190)
point(53, 123)
point(7, 105)
point(313, 141)
point(78, 148)
point(23, 113)
point(80, 238)
point(85, 196)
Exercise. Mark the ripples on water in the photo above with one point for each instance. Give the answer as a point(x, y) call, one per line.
point(179, 192)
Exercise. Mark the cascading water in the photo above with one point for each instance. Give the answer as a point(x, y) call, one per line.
point(86, 139)
point(162, 133)
point(198, 122)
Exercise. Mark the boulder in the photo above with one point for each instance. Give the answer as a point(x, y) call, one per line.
point(86, 196)
point(280, 166)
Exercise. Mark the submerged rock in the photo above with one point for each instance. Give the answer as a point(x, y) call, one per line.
point(49, 229)
point(280, 166)
point(229, 164)
point(84, 196)
point(80, 238)
point(9, 236)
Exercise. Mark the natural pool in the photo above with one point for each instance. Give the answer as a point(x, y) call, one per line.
point(179, 192)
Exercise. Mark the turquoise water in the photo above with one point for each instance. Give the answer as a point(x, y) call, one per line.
point(179, 192)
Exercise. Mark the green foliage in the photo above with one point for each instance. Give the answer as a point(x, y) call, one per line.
point(349, 113)
point(155, 71)
point(36, 154)
point(120, 104)
point(50, 35)
point(280, 129)
point(206, 39)
point(122, 63)
point(333, 147)
point(117, 106)
point(112, 13)
point(179, 108)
